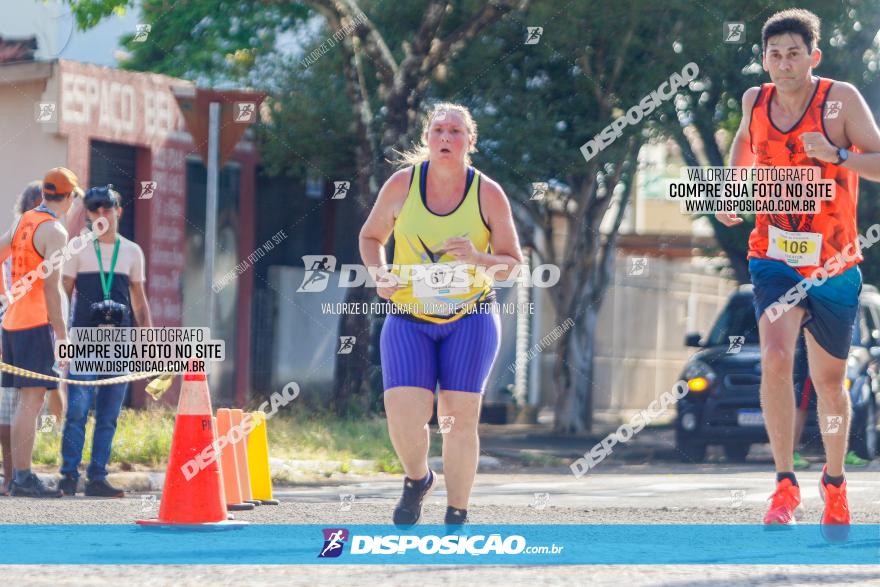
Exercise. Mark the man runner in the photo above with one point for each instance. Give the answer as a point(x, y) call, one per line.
point(33, 317)
point(803, 120)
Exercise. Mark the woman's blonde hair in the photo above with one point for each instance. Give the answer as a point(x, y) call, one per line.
point(420, 152)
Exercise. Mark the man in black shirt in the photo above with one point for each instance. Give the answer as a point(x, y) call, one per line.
point(109, 281)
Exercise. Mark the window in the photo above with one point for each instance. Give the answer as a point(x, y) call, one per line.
point(737, 319)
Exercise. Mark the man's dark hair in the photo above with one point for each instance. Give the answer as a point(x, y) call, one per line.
point(102, 197)
point(796, 21)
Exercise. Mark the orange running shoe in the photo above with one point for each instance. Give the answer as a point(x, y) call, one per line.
point(835, 518)
point(785, 505)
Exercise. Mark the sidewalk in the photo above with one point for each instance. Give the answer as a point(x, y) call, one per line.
point(511, 441)
point(509, 448)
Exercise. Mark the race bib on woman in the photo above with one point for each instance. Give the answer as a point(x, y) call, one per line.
point(439, 279)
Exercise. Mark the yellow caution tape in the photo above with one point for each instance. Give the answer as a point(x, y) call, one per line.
point(155, 388)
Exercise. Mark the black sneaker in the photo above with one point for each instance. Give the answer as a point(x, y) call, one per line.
point(102, 489)
point(455, 517)
point(33, 487)
point(67, 485)
point(409, 509)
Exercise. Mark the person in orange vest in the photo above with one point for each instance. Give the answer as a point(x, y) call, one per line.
point(29, 198)
point(34, 314)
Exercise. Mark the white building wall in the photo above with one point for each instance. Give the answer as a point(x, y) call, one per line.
point(28, 145)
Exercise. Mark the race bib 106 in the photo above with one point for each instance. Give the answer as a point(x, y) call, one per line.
point(798, 249)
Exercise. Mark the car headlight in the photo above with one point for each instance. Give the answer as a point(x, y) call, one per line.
point(699, 376)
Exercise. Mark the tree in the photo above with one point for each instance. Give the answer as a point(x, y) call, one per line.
point(849, 54)
point(536, 106)
point(386, 88)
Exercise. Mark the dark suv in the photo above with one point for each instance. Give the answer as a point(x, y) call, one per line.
point(723, 405)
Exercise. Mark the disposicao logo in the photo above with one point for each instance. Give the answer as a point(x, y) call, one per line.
point(334, 540)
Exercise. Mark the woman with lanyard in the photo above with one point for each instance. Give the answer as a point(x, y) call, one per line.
point(443, 331)
point(108, 278)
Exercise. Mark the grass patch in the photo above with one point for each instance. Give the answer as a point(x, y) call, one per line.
point(531, 458)
point(143, 437)
point(324, 437)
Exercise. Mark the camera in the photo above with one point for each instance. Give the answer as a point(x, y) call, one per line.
point(107, 313)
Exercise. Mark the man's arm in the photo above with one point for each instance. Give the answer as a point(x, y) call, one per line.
point(68, 283)
point(139, 304)
point(51, 237)
point(741, 154)
point(861, 131)
point(6, 241)
point(137, 279)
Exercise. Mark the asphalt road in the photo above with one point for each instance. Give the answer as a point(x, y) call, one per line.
point(649, 494)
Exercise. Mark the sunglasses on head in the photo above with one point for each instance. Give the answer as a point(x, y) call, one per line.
point(100, 197)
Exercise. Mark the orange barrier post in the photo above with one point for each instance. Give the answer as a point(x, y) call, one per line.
point(229, 465)
point(239, 441)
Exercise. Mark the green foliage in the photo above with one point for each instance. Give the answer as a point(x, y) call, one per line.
point(143, 437)
point(728, 70)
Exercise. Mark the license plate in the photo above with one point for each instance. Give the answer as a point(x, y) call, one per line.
point(750, 418)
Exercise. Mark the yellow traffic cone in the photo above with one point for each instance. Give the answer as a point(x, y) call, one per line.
point(258, 460)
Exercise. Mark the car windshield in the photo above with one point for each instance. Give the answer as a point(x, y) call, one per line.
point(737, 319)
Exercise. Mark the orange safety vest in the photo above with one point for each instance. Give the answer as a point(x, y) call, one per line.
point(29, 310)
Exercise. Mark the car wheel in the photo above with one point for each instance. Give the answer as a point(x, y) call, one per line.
point(690, 451)
point(863, 440)
point(736, 453)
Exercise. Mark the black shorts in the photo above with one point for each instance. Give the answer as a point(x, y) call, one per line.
point(832, 307)
point(32, 349)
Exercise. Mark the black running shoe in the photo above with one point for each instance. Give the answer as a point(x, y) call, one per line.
point(102, 489)
point(455, 517)
point(33, 487)
point(409, 509)
point(67, 485)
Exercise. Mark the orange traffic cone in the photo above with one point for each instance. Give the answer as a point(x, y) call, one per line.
point(229, 465)
point(241, 457)
point(193, 491)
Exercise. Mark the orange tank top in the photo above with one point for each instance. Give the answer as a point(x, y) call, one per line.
point(834, 226)
point(27, 310)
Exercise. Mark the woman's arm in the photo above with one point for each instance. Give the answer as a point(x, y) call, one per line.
point(379, 226)
point(506, 253)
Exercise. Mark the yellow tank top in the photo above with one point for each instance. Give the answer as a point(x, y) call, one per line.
point(436, 287)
